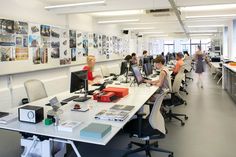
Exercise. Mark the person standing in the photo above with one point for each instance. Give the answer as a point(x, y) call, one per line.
point(134, 59)
point(199, 65)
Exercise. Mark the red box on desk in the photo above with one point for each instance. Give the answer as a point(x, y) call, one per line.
point(104, 96)
point(120, 92)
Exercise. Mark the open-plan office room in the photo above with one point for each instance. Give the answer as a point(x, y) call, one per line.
point(117, 78)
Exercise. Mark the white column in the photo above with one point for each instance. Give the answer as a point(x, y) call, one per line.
point(225, 42)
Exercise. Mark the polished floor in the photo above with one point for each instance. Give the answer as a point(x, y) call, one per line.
point(209, 132)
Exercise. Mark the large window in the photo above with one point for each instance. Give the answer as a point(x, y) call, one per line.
point(169, 46)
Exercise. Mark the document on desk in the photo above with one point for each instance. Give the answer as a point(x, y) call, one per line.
point(9, 118)
point(68, 126)
point(112, 115)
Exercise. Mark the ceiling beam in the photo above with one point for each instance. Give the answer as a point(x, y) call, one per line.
point(174, 7)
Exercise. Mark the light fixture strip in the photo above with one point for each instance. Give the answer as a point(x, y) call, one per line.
point(208, 7)
point(205, 26)
point(118, 21)
point(210, 16)
point(76, 4)
point(151, 32)
point(139, 28)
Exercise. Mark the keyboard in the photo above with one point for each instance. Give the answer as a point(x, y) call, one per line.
point(96, 84)
point(146, 78)
point(70, 99)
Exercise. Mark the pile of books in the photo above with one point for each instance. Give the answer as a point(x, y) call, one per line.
point(115, 113)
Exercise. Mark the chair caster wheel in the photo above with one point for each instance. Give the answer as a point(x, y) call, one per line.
point(186, 93)
point(186, 117)
point(129, 145)
point(182, 123)
point(185, 103)
point(156, 145)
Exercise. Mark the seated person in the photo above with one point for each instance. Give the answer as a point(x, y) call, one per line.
point(179, 63)
point(164, 78)
point(164, 81)
point(91, 61)
point(134, 59)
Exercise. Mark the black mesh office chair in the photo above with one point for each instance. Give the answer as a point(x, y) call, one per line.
point(151, 128)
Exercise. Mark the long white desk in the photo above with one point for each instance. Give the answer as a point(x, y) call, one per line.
point(137, 97)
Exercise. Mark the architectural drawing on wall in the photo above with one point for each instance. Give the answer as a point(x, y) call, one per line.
point(40, 55)
point(55, 32)
point(104, 44)
point(7, 53)
point(90, 41)
point(21, 27)
point(65, 61)
point(85, 44)
point(73, 54)
point(45, 41)
point(64, 44)
point(34, 40)
point(7, 40)
point(72, 36)
point(45, 30)
point(22, 53)
point(95, 40)
point(55, 43)
point(22, 47)
point(34, 29)
point(7, 26)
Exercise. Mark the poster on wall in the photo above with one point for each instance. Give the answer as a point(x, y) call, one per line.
point(85, 44)
point(64, 46)
point(79, 43)
point(45, 30)
point(72, 36)
point(90, 41)
point(21, 27)
point(21, 49)
point(34, 29)
point(40, 55)
point(7, 26)
point(7, 53)
point(55, 42)
point(73, 54)
point(95, 41)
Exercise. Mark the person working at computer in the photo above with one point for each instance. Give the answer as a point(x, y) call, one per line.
point(179, 64)
point(134, 59)
point(164, 78)
point(91, 61)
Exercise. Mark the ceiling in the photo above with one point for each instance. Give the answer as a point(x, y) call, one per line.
point(204, 20)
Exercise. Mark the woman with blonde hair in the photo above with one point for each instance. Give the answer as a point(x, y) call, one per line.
point(91, 61)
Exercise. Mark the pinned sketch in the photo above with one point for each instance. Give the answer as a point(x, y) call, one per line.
point(45, 30)
point(34, 41)
point(72, 36)
point(7, 53)
point(84, 49)
point(7, 26)
point(90, 40)
point(45, 41)
point(55, 32)
point(73, 54)
point(79, 40)
point(34, 29)
point(7, 40)
point(64, 45)
point(21, 27)
point(65, 61)
point(95, 41)
point(22, 53)
point(40, 55)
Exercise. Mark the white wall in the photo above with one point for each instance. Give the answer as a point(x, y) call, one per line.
point(56, 80)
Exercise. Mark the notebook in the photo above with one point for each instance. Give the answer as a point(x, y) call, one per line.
point(95, 130)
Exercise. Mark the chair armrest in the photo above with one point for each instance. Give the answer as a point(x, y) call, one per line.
point(140, 114)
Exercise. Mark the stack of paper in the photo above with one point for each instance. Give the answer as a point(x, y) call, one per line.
point(9, 118)
point(68, 126)
point(112, 115)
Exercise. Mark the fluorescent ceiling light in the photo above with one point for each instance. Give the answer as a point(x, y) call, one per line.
point(205, 26)
point(163, 35)
point(151, 32)
point(76, 4)
point(209, 16)
point(209, 31)
point(138, 28)
point(119, 13)
point(201, 34)
point(208, 7)
point(118, 21)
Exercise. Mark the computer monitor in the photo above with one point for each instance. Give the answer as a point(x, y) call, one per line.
point(79, 80)
point(147, 69)
point(123, 67)
point(137, 74)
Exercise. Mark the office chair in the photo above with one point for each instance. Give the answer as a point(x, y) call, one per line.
point(151, 128)
point(175, 99)
point(35, 90)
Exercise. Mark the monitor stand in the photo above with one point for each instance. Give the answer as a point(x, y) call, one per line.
point(82, 99)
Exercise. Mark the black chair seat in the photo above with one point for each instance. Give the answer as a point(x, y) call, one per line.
point(147, 130)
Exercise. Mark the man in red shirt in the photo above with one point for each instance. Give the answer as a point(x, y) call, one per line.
point(91, 61)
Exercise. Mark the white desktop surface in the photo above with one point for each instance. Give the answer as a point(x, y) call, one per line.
point(233, 68)
point(137, 97)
